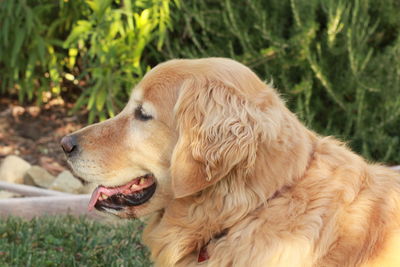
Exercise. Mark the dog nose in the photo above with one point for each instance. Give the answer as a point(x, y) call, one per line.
point(69, 144)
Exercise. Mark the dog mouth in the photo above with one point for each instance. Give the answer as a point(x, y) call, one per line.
point(135, 193)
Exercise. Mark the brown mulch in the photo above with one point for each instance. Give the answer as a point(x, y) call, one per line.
point(34, 133)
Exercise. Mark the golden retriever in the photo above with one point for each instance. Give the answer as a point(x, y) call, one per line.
point(230, 177)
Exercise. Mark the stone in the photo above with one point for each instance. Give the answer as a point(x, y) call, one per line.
point(66, 182)
point(7, 194)
point(396, 168)
point(38, 176)
point(13, 169)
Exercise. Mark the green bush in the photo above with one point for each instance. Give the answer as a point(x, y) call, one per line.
point(337, 62)
point(94, 47)
point(109, 43)
point(31, 58)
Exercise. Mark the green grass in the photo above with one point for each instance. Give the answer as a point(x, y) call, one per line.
point(68, 241)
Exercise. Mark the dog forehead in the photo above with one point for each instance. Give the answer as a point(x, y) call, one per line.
point(157, 97)
point(137, 94)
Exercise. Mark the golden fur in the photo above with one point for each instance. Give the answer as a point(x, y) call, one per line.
point(228, 156)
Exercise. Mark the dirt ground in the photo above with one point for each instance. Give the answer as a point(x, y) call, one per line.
point(34, 133)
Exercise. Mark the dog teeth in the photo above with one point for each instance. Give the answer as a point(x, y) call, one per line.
point(103, 196)
point(142, 181)
point(133, 186)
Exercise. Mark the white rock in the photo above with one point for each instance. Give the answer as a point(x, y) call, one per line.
point(396, 168)
point(66, 182)
point(7, 194)
point(13, 169)
point(36, 175)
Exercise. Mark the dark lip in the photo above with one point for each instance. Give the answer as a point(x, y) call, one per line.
point(83, 181)
point(121, 201)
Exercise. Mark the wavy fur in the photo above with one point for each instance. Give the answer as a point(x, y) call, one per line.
point(239, 162)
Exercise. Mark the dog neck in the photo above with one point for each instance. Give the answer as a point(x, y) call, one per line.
point(195, 220)
point(204, 254)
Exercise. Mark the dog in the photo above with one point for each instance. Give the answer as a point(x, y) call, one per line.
point(228, 176)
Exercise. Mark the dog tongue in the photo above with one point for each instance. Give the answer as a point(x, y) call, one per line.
point(109, 191)
point(95, 196)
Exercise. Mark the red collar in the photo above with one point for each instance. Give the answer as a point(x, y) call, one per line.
point(203, 253)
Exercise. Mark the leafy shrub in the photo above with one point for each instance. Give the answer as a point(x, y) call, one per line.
point(109, 43)
point(31, 61)
point(337, 62)
point(95, 46)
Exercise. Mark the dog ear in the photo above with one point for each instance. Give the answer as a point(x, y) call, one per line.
point(219, 132)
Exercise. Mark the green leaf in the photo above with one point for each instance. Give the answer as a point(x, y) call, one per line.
point(19, 39)
point(41, 49)
point(80, 31)
point(78, 104)
point(91, 100)
point(101, 99)
point(110, 108)
point(102, 116)
point(92, 115)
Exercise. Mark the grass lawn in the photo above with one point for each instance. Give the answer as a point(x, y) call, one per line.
point(68, 241)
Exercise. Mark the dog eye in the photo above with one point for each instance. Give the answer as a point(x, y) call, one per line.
point(140, 115)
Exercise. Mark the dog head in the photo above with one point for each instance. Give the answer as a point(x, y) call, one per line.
point(187, 125)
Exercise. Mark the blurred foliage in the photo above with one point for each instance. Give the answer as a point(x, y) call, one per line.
point(31, 62)
point(337, 62)
point(94, 46)
point(110, 43)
